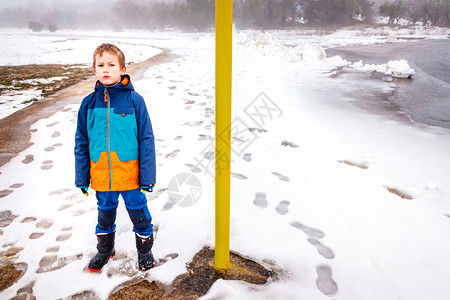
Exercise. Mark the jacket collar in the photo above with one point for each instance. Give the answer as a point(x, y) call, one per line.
point(124, 84)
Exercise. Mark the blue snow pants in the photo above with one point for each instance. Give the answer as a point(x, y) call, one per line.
point(136, 205)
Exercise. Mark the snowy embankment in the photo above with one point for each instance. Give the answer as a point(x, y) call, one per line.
point(264, 46)
point(340, 202)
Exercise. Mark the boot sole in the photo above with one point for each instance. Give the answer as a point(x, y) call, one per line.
point(98, 270)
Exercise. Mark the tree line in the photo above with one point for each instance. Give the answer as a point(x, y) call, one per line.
point(198, 15)
point(435, 12)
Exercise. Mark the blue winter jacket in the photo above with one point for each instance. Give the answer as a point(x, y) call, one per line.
point(114, 143)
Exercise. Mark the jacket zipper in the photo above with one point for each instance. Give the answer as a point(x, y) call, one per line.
point(108, 142)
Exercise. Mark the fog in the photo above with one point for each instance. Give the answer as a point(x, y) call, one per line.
point(198, 15)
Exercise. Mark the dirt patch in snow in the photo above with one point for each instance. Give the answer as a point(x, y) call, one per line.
point(49, 78)
point(199, 279)
point(8, 276)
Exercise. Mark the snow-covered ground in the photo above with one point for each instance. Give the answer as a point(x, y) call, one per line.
point(21, 47)
point(343, 203)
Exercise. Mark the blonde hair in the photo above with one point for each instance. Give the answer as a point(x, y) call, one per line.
point(112, 49)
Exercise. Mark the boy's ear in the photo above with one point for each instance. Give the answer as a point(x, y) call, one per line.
point(123, 71)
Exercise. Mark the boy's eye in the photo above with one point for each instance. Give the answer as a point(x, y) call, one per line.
point(100, 65)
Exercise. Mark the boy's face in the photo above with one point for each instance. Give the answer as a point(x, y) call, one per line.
point(107, 69)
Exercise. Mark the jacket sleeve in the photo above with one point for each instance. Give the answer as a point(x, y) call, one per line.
point(82, 159)
point(147, 162)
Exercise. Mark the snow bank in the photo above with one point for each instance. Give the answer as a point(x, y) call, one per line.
point(395, 68)
point(406, 33)
point(392, 37)
point(262, 44)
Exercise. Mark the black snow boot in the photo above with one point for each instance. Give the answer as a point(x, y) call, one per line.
point(105, 247)
point(144, 249)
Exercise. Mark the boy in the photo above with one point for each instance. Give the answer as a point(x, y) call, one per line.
point(115, 154)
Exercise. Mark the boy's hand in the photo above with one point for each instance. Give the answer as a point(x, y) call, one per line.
point(84, 190)
point(147, 188)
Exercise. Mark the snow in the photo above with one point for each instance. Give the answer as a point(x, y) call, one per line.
point(22, 47)
point(320, 213)
point(12, 101)
point(40, 80)
point(395, 68)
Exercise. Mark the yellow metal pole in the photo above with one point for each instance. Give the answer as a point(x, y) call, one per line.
point(224, 26)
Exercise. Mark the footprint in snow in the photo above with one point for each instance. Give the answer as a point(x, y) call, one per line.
point(47, 165)
point(53, 262)
point(193, 168)
point(282, 207)
point(52, 249)
point(313, 236)
point(6, 218)
point(281, 176)
point(28, 159)
point(28, 220)
point(309, 231)
point(260, 200)
point(60, 191)
point(81, 211)
point(52, 124)
point(56, 134)
point(173, 153)
point(325, 282)
point(51, 148)
point(44, 224)
point(36, 235)
point(289, 143)
point(168, 205)
point(4, 193)
point(399, 192)
point(11, 252)
point(238, 176)
point(25, 292)
point(247, 157)
point(321, 249)
point(155, 194)
point(197, 123)
point(202, 137)
point(66, 233)
point(63, 237)
point(16, 185)
point(65, 206)
point(122, 265)
point(353, 163)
